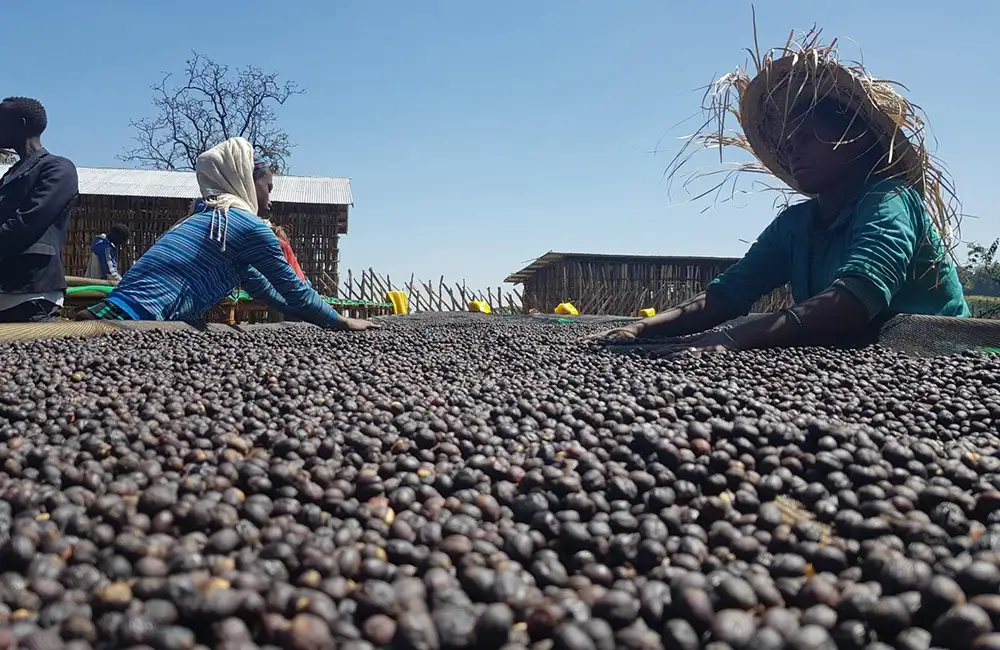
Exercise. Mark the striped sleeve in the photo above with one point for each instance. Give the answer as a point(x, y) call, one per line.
point(182, 276)
point(257, 286)
point(263, 253)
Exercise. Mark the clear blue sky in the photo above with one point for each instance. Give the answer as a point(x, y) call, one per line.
point(480, 135)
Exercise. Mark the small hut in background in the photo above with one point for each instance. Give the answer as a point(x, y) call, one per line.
point(620, 284)
point(313, 210)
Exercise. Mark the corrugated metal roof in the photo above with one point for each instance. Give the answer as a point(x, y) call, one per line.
point(552, 257)
point(103, 181)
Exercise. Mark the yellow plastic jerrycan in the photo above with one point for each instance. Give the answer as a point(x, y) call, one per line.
point(648, 312)
point(567, 309)
point(399, 300)
point(480, 306)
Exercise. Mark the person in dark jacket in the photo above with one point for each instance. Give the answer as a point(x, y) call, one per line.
point(37, 195)
point(103, 263)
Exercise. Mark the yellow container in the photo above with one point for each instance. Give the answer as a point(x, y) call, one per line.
point(400, 302)
point(480, 306)
point(567, 309)
point(648, 312)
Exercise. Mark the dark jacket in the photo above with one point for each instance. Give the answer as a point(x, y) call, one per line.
point(37, 195)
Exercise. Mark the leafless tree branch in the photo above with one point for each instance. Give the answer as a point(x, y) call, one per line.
point(210, 104)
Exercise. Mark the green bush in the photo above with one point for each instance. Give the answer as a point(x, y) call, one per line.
point(984, 306)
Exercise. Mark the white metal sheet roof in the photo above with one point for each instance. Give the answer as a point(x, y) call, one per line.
point(103, 181)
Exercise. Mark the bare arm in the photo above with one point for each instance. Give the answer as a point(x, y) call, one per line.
point(833, 314)
point(698, 314)
point(764, 268)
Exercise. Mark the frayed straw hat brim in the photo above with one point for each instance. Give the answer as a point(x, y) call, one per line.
point(805, 70)
point(790, 81)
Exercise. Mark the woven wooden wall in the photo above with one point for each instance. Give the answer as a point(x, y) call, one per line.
point(622, 287)
point(146, 218)
point(313, 230)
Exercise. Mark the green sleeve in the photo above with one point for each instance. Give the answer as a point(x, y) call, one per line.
point(764, 268)
point(888, 223)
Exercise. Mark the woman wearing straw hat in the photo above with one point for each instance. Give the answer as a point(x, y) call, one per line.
point(223, 244)
point(871, 240)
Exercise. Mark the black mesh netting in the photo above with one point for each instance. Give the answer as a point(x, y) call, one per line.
point(937, 335)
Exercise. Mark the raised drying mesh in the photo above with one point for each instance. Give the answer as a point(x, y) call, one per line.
point(930, 336)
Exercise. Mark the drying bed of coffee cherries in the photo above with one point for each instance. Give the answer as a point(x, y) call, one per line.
point(472, 481)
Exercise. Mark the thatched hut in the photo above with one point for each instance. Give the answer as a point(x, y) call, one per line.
point(619, 284)
point(313, 210)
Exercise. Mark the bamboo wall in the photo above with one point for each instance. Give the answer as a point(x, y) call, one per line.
point(313, 231)
point(624, 286)
point(146, 218)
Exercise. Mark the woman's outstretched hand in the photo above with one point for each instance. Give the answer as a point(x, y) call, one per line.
point(707, 342)
point(626, 334)
point(355, 325)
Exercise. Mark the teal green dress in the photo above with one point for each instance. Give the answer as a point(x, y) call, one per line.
point(882, 248)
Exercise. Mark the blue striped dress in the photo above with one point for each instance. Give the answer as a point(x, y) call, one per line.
point(186, 273)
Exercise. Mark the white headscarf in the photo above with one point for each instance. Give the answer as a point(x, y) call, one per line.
point(225, 178)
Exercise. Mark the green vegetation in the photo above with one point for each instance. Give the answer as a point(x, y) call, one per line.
point(981, 273)
point(980, 277)
point(984, 306)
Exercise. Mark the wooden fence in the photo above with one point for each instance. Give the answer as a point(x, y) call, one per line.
point(441, 295)
point(624, 298)
point(427, 296)
point(622, 285)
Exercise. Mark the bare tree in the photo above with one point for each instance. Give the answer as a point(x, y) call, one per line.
point(211, 105)
point(7, 157)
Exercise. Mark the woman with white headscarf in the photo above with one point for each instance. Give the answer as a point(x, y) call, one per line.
point(222, 245)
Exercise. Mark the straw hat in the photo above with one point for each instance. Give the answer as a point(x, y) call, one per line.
point(809, 78)
point(804, 70)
